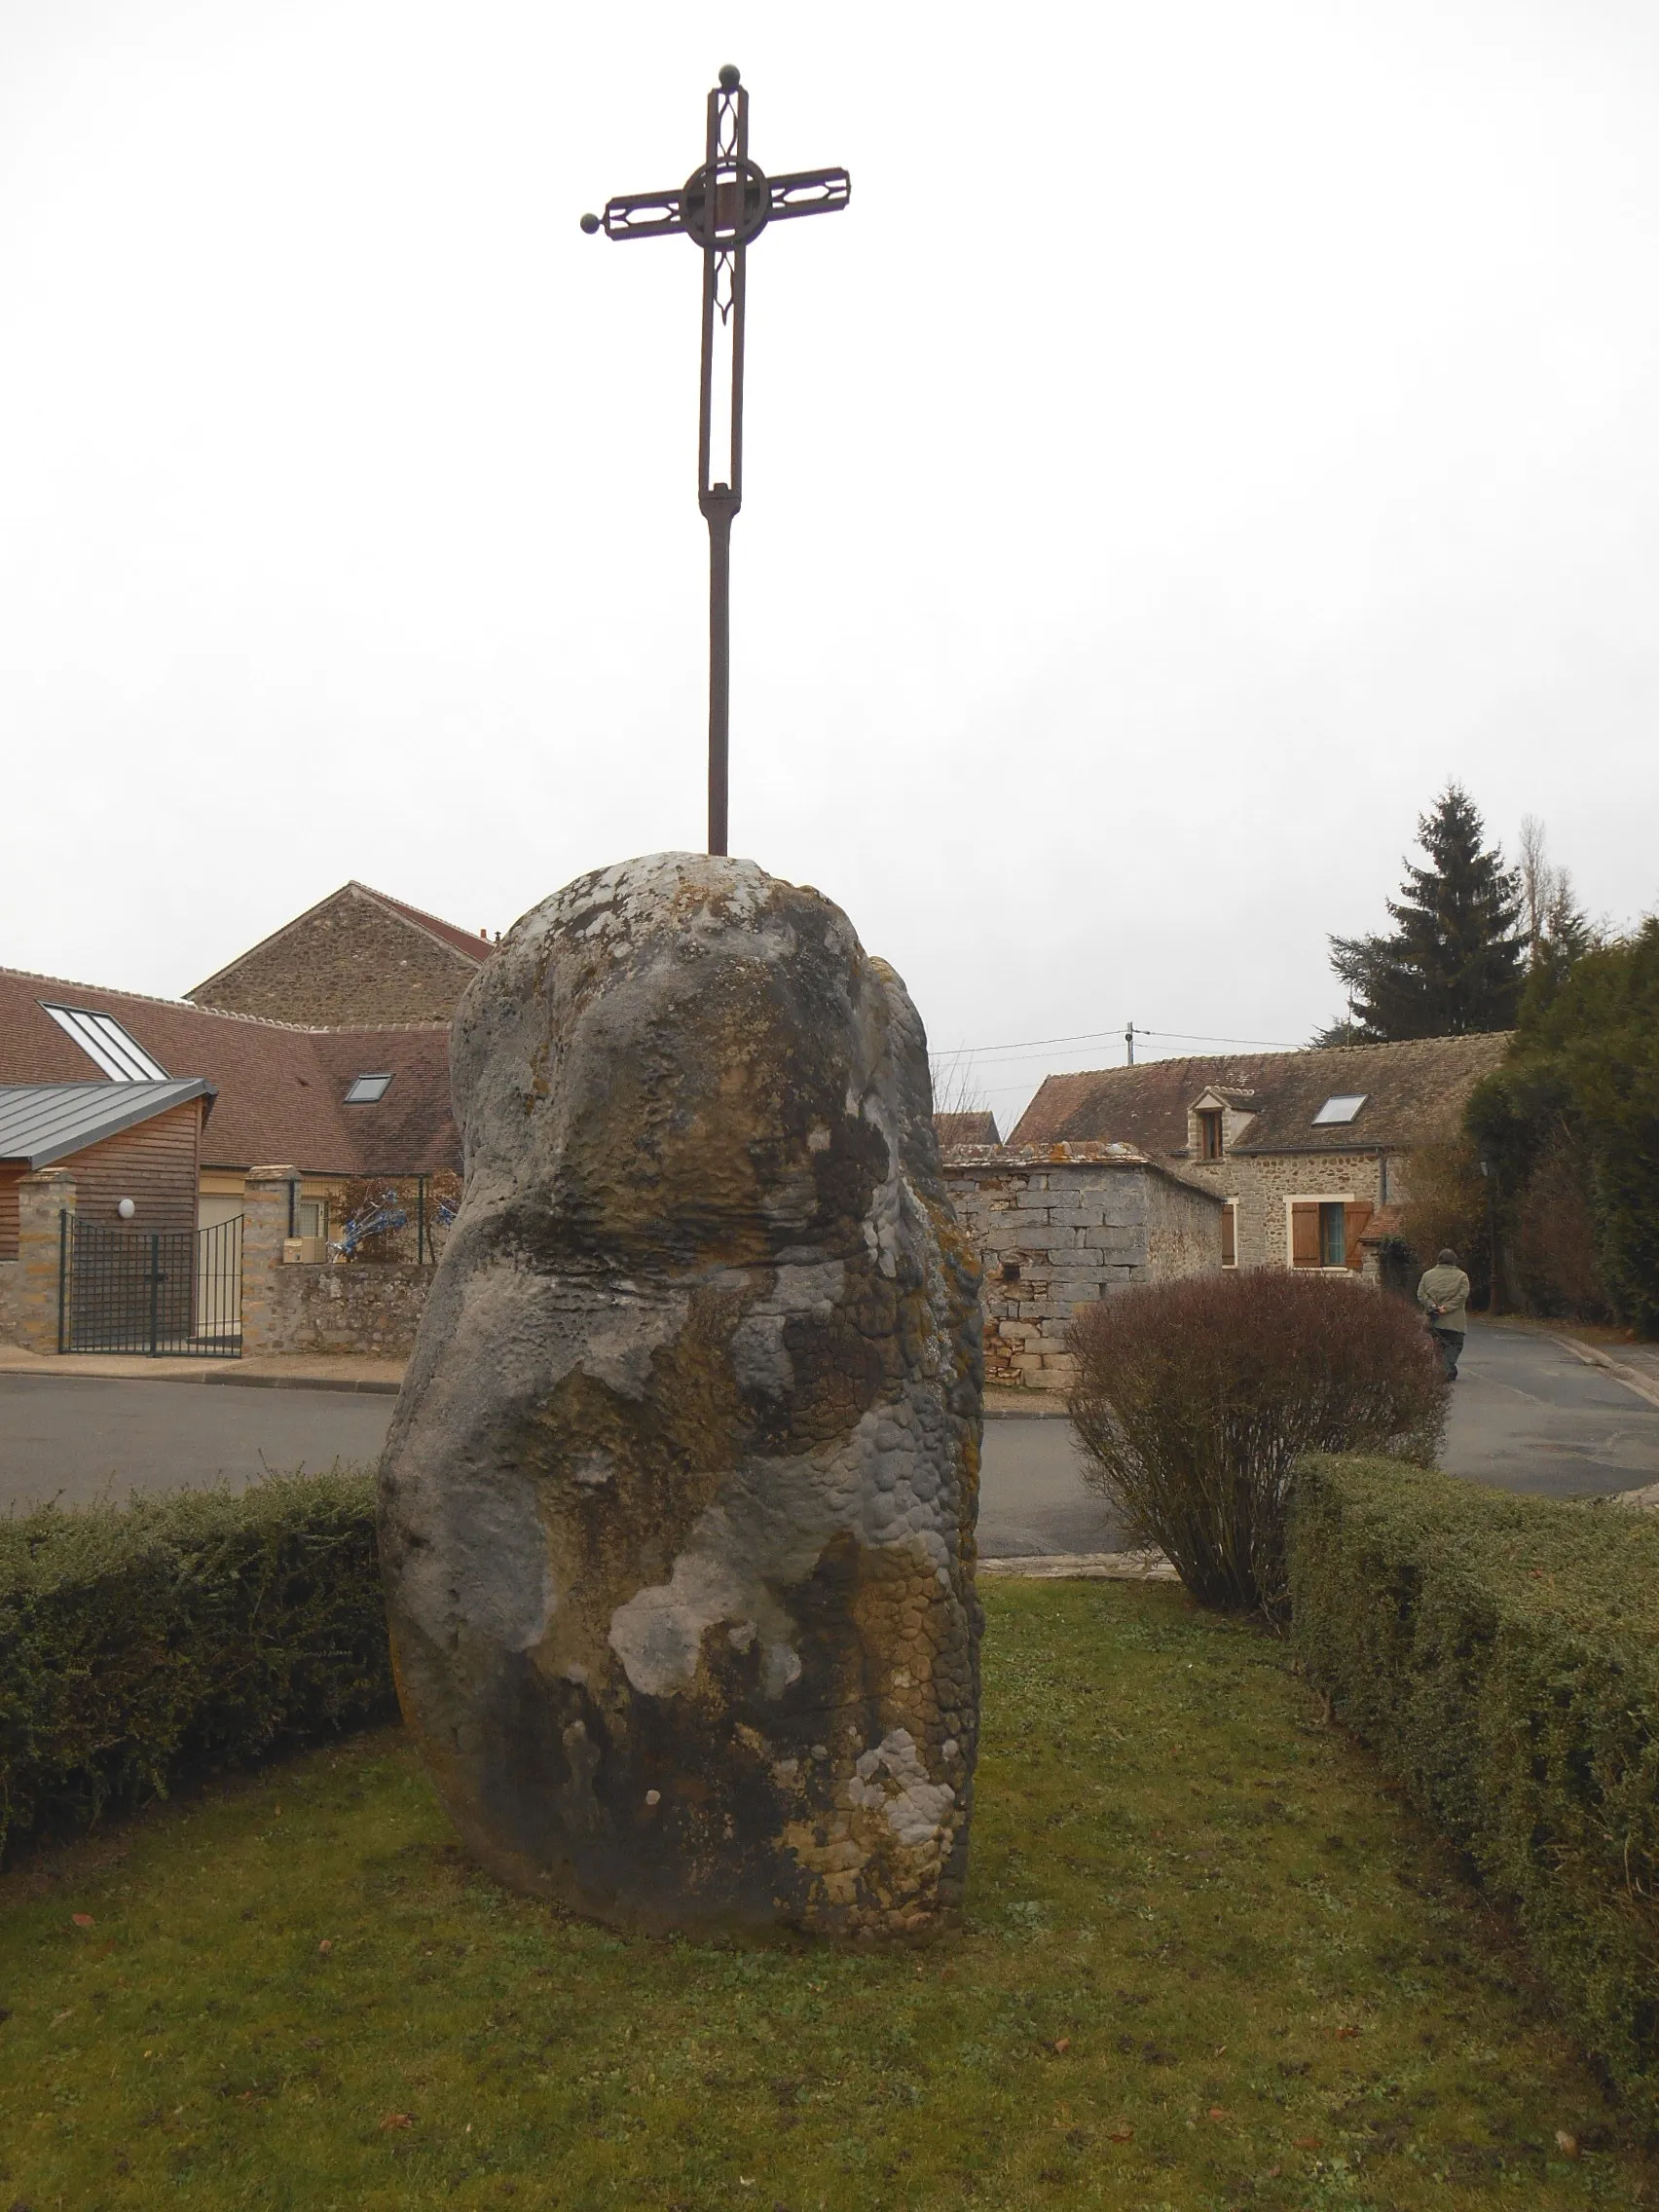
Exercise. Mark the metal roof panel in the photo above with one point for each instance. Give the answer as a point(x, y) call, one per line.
point(43, 1123)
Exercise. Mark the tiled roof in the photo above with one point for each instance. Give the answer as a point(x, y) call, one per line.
point(41, 1122)
point(280, 1089)
point(1081, 1154)
point(966, 1128)
point(1412, 1092)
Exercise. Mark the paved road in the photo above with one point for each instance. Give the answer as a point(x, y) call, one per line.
point(77, 1441)
point(1528, 1415)
point(1031, 1494)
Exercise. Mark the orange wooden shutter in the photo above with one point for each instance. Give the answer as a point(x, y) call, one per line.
point(1305, 1236)
point(1353, 1228)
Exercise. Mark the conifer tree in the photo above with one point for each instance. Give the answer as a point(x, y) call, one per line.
point(1453, 964)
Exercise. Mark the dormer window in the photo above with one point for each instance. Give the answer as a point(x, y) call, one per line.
point(1209, 1132)
point(366, 1090)
point(1342, 1108)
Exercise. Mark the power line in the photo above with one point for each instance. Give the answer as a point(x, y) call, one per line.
point(1193, 1037)
point(1101, 1035)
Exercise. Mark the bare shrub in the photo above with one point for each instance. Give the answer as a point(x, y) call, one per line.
point(1194, 1400)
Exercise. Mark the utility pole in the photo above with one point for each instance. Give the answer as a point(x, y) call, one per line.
point(1129, 1042)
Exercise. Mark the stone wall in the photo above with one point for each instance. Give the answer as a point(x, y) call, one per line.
point(1061, 1226)
point(292, 1305)
point(366, 1306)
point(349, 960)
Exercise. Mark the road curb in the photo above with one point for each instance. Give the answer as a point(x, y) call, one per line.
point(1083, 1566)
point(1592, 1356)
point(351, 1385)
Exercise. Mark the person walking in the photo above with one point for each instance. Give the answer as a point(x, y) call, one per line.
point(1444, 1296)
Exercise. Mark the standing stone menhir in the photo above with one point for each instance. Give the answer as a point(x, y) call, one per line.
point(678, 1505)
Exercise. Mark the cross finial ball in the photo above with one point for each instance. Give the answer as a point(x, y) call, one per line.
point(731, 78)
point(590, 224)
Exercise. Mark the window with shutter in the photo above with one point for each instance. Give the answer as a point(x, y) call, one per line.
point(1229, 1234)
point(1305, 1236)
point(1209, 1133)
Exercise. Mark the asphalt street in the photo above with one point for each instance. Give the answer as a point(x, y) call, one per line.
point(1527, 1415)
point(79, 1441)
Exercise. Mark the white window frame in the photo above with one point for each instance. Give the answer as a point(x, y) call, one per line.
point(1313, 1199)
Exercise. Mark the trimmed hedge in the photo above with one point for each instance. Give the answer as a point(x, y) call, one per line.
point(1502, 1654)
point(143, 1644)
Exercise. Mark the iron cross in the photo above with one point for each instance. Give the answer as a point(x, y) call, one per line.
point(723, 207)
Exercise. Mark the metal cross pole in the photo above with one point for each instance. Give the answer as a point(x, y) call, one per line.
point(723, 207)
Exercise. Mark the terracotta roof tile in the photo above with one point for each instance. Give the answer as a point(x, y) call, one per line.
point(281, 1088)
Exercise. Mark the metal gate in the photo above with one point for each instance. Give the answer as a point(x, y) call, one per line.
point(152, 1291)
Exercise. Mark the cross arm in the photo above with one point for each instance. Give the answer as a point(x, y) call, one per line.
point(808, 192)
point(645, 214)
point(662, 214)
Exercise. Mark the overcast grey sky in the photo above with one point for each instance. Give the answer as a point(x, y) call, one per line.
point(1209, 429)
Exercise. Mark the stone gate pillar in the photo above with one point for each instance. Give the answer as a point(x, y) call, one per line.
point(265, 1228)
point(43, 1199)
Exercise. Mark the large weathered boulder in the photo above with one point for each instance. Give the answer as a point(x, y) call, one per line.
point(677, 1504)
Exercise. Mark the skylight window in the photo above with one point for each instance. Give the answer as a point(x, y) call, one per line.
point(103, 1040)
point(366, 1088)
point(1343, 1108)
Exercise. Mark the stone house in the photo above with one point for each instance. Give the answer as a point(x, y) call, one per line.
point(357, 956)
point(1309, 1152)
point(1061, 1226)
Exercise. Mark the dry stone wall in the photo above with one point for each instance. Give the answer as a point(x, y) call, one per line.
point(371, 1307)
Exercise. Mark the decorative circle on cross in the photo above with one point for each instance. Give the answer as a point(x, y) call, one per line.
point(734, 213)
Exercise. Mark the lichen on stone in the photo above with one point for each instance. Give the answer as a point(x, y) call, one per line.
point(678, 1501)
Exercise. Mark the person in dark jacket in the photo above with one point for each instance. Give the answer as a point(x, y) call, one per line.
point(1444, 1296)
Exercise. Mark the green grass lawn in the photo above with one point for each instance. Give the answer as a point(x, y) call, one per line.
point(1206, 1963)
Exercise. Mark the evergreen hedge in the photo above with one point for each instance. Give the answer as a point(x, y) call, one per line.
point(1502, 1654)
point(145, 1644)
